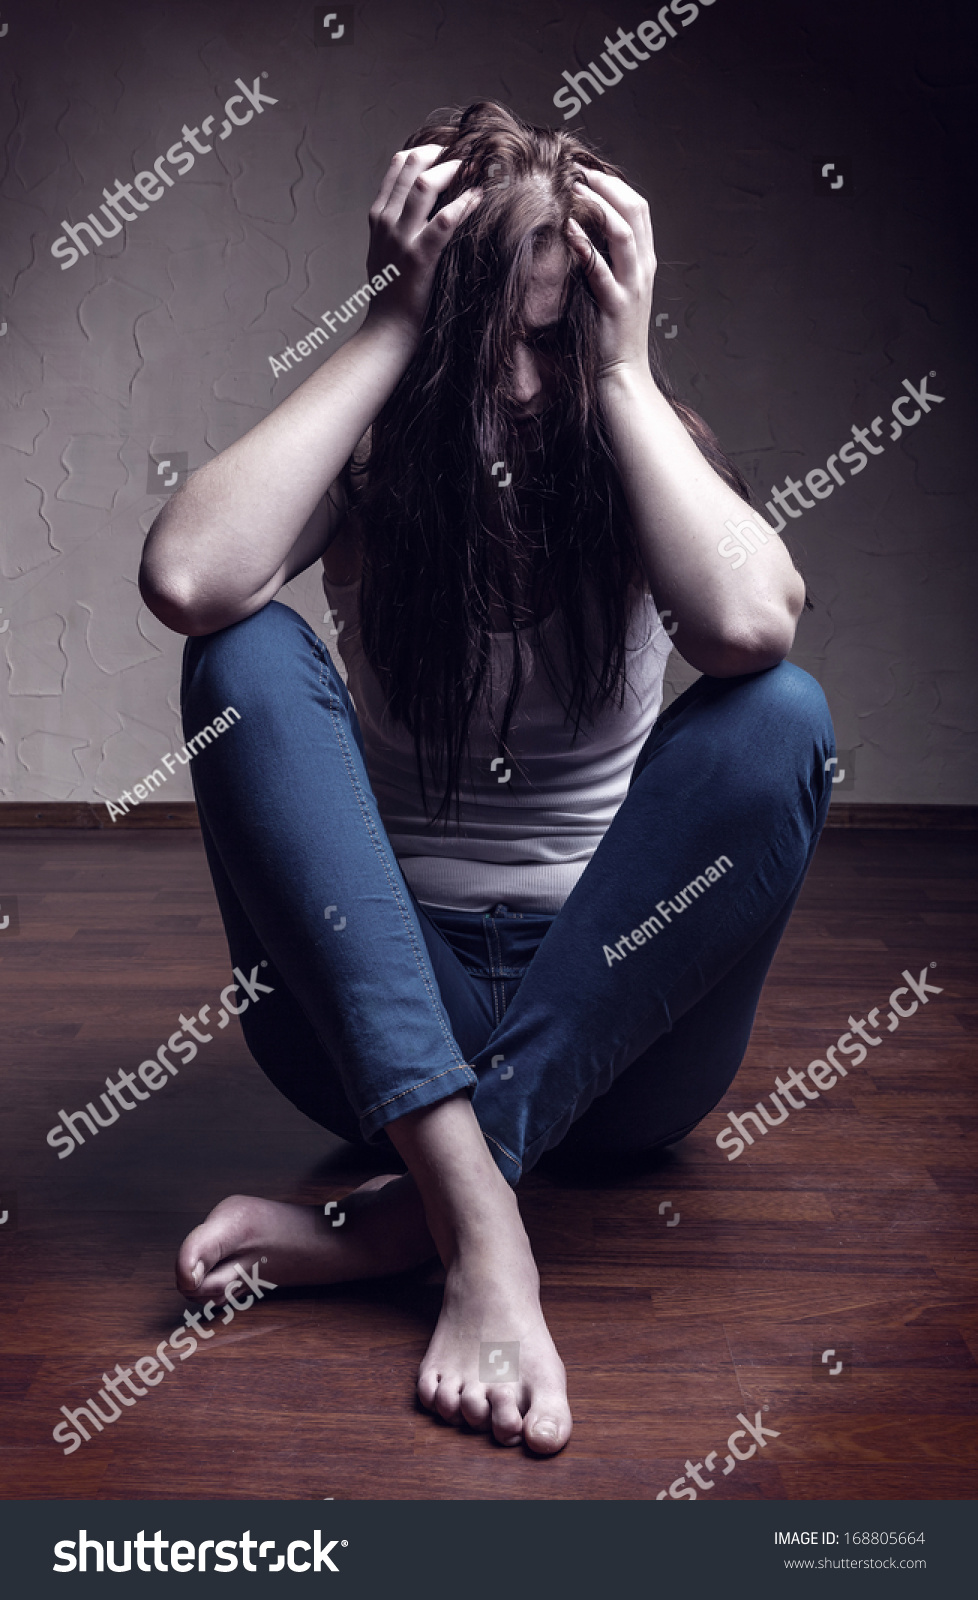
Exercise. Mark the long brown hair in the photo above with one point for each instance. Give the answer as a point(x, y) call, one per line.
point(442, 544)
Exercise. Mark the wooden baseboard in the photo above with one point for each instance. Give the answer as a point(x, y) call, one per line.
point(83, 814)
point(843, 814)
point(183, 814)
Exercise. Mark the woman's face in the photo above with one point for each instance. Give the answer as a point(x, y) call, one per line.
point(531, 385)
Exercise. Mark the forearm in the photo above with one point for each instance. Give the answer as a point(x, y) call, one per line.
point(729, 620)
point(221, 547)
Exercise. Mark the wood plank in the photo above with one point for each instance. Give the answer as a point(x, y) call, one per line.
point(851, 1225)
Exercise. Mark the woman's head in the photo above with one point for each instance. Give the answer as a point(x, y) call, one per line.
point(508, 268)
point(506, 372)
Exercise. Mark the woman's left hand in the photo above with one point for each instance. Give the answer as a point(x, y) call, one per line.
point(623, 291)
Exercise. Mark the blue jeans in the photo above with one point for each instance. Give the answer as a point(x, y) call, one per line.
point(549, 1023)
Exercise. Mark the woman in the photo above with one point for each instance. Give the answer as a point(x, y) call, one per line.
point(476, 898)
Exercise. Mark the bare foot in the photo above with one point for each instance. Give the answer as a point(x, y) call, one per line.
point(383, 1231)
point(491, 1302)
point(454, 1199)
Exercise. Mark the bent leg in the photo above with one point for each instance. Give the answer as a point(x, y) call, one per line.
point(683, 1076)
point(292, 827)
point(285, 811)
point(302, 862)
point(705, 856)
point(278, 1033)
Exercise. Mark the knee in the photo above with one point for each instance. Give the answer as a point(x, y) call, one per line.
point(787, 701)
point(245, 657)
point(273, 625)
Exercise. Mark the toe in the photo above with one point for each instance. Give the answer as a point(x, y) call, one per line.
point(475, 1407)
point(214, 1285)
point(206, 1245)
point(190, 1268)
point(447, 1398)
point(428, 1380)
point(547, 1426)
point(200, 1251)
point(507, 1421)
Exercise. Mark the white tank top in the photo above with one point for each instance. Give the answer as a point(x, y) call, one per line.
point(525, 841)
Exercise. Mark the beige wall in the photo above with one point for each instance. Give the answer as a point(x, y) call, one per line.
point(798, 315)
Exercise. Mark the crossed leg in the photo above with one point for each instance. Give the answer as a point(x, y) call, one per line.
point(454, 1200)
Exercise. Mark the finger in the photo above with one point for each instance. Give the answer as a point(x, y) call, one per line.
point(599, 274)
point(626, 201)
point(417, 156)
point(613, 220)
point(434, 237)
point(413, 172)
point(623, 245)
point(606, 183)
point(389, 179)
point(421, 194)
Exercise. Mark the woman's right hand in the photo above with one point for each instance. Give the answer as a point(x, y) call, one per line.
point(401, 234)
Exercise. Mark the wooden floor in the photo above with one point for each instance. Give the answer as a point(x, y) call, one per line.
point(852, 1225)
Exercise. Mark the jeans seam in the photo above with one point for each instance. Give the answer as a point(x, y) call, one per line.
point(517, 1163)
point(319, 651)
point(401, 1093)
point(495, 963)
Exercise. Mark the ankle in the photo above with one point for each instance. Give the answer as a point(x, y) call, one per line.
point(477, 1230)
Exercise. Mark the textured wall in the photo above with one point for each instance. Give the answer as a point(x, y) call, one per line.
point(797, 314)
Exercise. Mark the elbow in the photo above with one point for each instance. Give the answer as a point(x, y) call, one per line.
point(188, 609)
point(170, 601)
point(756, 643)
point(739, 652)
point(166, 578)
point(738, 660)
